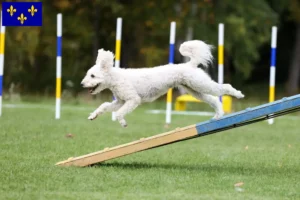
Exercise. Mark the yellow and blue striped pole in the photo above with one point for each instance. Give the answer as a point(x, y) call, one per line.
point(273, 68)
point(2, 43)
point(171, 61)
point(58, 66)
point(221, 56)
point(118, 51)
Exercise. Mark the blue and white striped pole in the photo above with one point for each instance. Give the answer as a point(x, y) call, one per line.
point(171, 61)
point(58, 66)
point(273, 68)
point(2, 43)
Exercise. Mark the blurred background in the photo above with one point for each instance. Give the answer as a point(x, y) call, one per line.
point(30, 52)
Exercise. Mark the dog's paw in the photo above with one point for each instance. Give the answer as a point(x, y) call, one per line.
point(92, 116)
point(239, 95)
point(218, 115)
point(123, 123)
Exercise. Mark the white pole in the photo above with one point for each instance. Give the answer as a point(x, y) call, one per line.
point(221, 56)
point(118, 52)
point(171, 61)
point(189, 36)
point(273, 68)
point(2, 43)
point(58, 66)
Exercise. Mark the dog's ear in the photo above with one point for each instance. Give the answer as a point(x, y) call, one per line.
point(98, 59)
point(105, 59)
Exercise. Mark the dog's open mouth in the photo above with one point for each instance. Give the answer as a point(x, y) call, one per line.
point(92, 89)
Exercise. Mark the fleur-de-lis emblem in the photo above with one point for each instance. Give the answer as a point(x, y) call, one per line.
point(32, 10)
point(22, 18)
point(11, 10)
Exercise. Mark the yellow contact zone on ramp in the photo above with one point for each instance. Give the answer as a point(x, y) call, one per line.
point(132, 147)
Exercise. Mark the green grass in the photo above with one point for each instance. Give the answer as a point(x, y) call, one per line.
point(204, 168)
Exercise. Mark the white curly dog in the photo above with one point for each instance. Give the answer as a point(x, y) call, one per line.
point(131, 87)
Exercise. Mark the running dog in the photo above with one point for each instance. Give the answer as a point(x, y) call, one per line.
point(131, 87)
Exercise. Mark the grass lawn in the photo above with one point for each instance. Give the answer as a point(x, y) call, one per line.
point(265, 158)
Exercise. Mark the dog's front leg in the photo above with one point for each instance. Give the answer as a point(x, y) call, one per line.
point(106, 107)
point(128, 107)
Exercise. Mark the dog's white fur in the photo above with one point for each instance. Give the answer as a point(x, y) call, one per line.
point(131, 87)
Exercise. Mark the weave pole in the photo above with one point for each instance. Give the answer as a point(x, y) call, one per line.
point(221, 56)
point(118, 52)
point(2, 43)
point(58, 66)
point(171, 61)
point(273, 68)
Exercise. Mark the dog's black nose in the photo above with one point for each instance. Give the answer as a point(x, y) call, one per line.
point(81, 84)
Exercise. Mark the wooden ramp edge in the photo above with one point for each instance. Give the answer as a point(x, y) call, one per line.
point(245, 117)
point(132, 147)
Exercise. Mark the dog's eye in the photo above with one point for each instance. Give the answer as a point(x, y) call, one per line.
point(93, 76)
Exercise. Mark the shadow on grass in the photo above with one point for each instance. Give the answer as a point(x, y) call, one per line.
point(209, 168)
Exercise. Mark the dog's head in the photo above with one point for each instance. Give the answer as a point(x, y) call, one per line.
point(97, 77)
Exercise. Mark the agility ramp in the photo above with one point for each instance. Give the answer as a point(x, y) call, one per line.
point(245, 117)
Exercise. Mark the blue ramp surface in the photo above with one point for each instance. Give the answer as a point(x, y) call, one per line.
point(270, 110)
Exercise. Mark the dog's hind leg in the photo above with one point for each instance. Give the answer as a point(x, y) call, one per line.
point(106, 107)
point(211, 87)
point(213, 101)
point(128, 107)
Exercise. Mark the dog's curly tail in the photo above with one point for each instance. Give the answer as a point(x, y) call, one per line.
point(198, 51)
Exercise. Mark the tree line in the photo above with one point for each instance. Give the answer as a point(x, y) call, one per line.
point(30, 53)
